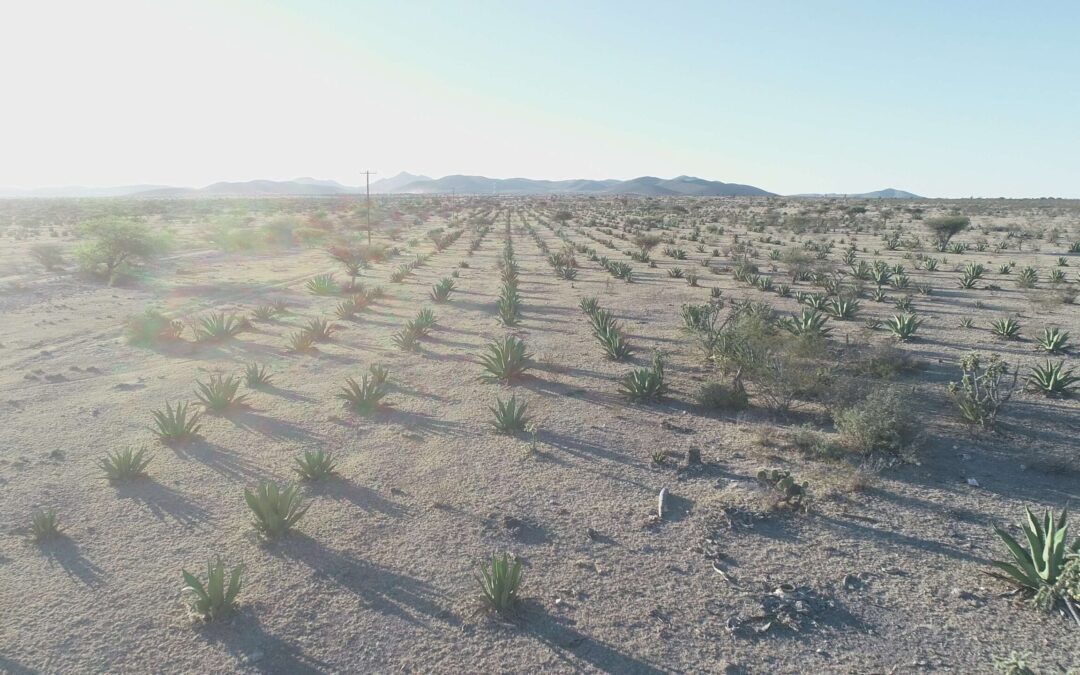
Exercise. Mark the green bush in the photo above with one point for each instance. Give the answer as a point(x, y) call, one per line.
point(879, 423)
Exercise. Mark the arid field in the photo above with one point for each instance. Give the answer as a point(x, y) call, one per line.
point(671, 353)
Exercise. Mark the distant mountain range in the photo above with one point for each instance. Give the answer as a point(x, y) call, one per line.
point(887, 193)
point(407, 183)
point(646, 185)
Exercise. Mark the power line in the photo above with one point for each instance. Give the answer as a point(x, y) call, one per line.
point(367, 189)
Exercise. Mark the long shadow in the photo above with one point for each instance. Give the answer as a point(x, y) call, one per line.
point(244, 636)
point(363, 497)
point(574, 647)
point(163, 502)
point(284, 393)
point(583, 449)
point(423, 424)
point(63, 551)
point(218, 459)
point(249, 420)
point(8, 665)
point(881, 536)
point(384, 590)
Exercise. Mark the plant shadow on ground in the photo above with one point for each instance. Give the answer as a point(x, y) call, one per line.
point(63, 551)
point(250, 420)
point(217, 458)
point(574, 647)
point(391, 593)
point(163, 502)
point(363, 497)
point(244, 636)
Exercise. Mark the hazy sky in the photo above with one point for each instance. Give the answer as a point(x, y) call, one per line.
point(945, 98)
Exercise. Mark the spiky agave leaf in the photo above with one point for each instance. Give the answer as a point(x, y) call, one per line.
point(275, 509)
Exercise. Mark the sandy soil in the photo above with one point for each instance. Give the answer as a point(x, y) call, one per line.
point(379, 576)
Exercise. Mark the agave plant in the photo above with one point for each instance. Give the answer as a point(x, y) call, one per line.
point(904, 326)
point(44, 524)
point(219, 326)
point(256, 376)
point(363, 397)
point(505, 360)
point(215, 598)
point(1028, 278)
point(424, 321)
point(176, 424)
point(589, 305)
point(614, 343)
point(408, 338)
point(219, 394)
point(440, 292)
point(500, 583)
point(1053, 340)
point(319, 330)
point(315, 465)
point(843, 308)
point(809, 322)
point(322, 284)
point(510, 416)
point(1053, 379)
point(274, 509)
point(379, 373)
point(301, 341)
point(123, 465)
point(509, 303)
point(1038, 567)
point(645, 384)
point(1007, 328)
point(263, 313)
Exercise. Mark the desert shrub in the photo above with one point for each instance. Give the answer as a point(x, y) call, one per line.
point(125, 464)
point(883, 361)
point(113, 246)
point(274, 510)
point(278, 231)
point(945, 228)
point(880, 423)
point(784, 487)
point(983, 389)
point(500, 583)
point(151, 326)
point(49, 256)
point(215, 598)
point(722, 395)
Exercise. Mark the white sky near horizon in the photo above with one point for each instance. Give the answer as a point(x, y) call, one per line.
point(965, 99)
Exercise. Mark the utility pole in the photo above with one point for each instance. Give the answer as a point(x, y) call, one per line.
point(367, 189)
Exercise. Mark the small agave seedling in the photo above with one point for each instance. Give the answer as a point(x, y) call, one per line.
point(215, 598)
